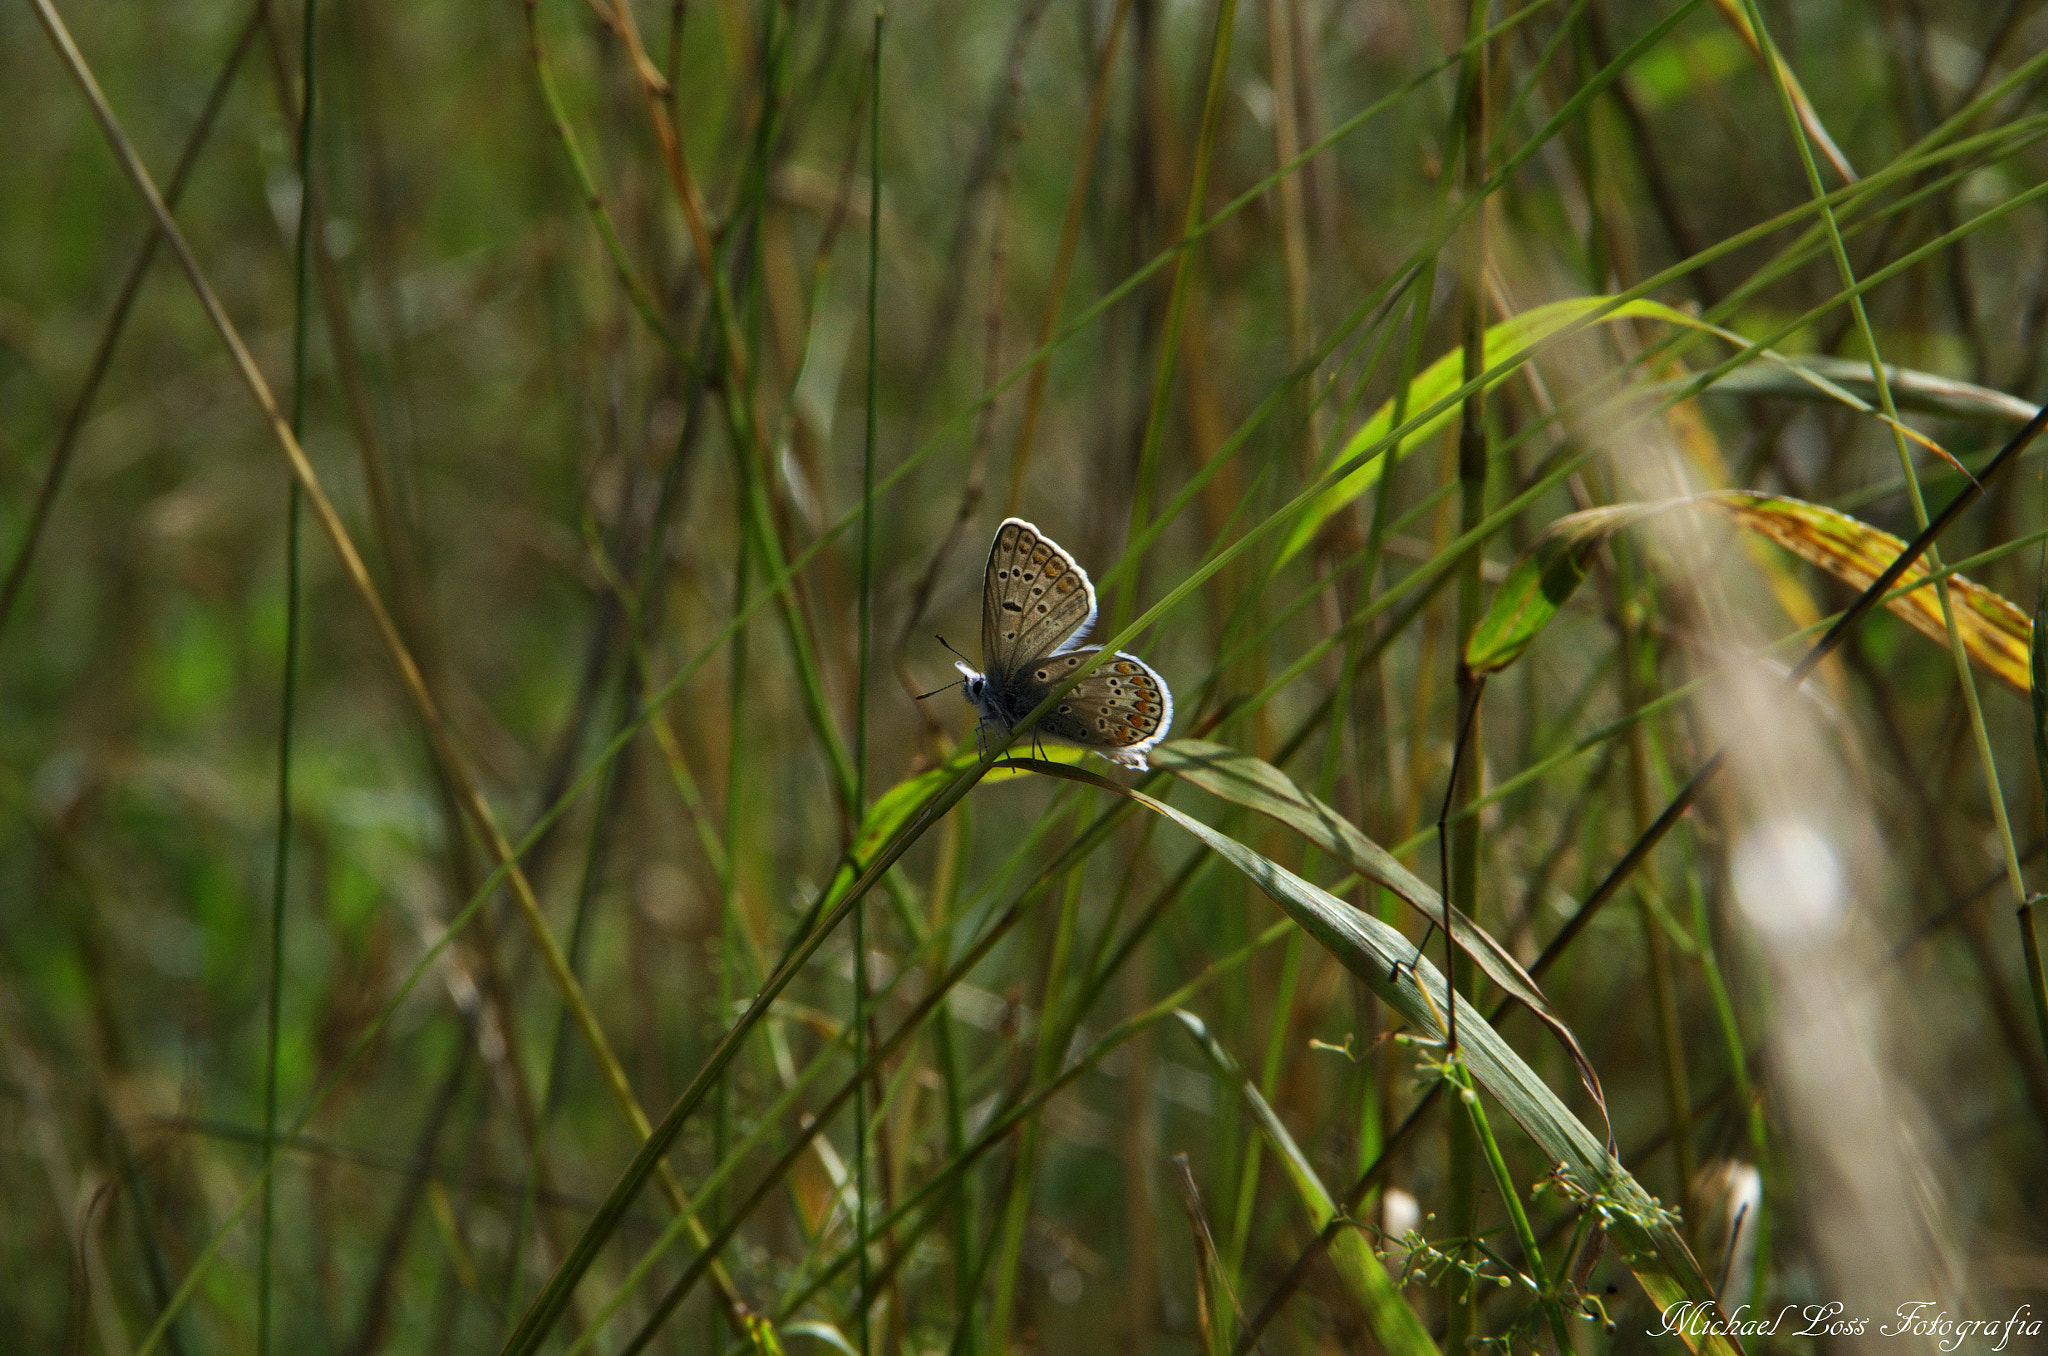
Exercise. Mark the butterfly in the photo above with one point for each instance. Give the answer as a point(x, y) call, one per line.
point(1036, 604)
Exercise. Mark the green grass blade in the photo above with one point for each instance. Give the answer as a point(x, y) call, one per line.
point(1642, 1230)
point(1394, 1325)
point(1509, 345)
point(1257, 785)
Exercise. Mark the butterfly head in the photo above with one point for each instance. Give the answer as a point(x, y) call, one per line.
point(975, 687)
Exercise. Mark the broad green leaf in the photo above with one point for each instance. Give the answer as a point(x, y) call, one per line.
point(1997, 635)
point(891, 811)
point(1257, 785)
point(1542, 581)
point(895, 807)
point(1512, 340)
point(1640, 1229)
point(1395, 1325)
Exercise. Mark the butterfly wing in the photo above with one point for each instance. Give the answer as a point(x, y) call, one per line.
point(1034, 599)
point(1036, 602)
point(1120, 710)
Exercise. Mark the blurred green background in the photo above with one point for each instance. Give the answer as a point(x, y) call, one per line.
point(565, 484)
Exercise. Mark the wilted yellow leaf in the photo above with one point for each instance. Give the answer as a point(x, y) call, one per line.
point(1997, 636)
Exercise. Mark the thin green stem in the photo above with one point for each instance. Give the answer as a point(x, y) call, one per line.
point(1048, 1049)
point(2037, 979)
point(280, 875)
point(1738, 1067)
point(1634, 601)
point(860, 718)
point(643, 301)
point(729, 922)
point(102, 359)
point(1183, 277)
point(1461, 886)
point(1511, 1197)
point(1269, 1081)
point(1033, 1099)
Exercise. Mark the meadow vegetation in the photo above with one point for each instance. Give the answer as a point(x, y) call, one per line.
point(484, 867)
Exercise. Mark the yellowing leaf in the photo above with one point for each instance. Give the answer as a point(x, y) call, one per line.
point(2039, 673)
point(1996, 635)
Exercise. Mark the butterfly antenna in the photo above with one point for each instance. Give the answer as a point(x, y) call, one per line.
point(937, 690)
point(949, 645)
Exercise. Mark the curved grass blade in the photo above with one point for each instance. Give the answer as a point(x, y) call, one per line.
point(1394, 1324)
point(1512, 340)
point(1641, 1230)
point(823, 1332)
point(1808, 118)
point(1921, 392)
point(1257, 785)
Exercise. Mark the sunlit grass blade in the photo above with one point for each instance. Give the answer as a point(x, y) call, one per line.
point(1257, 785)
point(1643, 1231)
point(1509, 343)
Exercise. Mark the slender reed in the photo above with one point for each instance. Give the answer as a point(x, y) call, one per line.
point(280, 877)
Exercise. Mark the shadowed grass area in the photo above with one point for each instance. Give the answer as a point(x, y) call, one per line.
point(548, 907)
